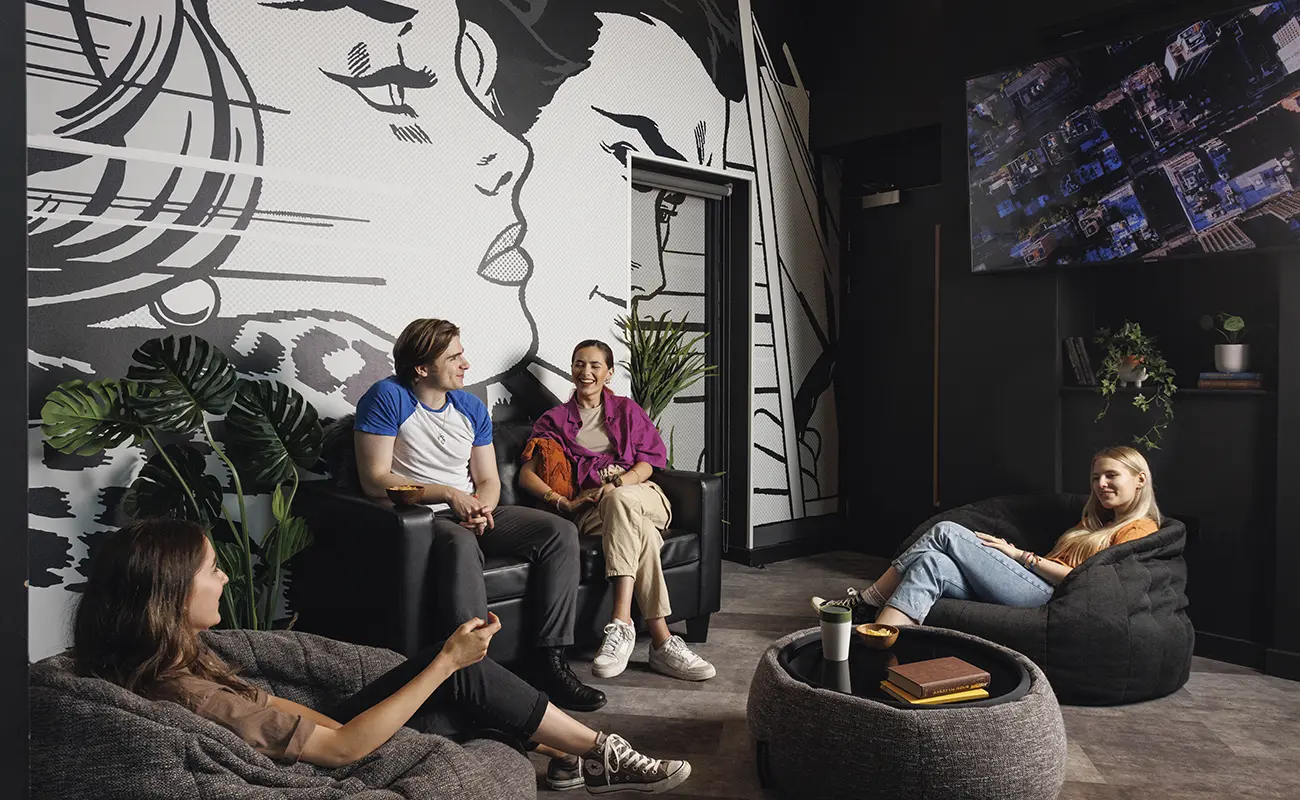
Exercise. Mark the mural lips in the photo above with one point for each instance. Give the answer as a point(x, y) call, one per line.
point(505, 262)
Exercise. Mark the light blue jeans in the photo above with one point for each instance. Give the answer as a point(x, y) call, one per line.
point(951, 561)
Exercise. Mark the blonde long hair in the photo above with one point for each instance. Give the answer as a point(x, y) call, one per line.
point(1098, 526)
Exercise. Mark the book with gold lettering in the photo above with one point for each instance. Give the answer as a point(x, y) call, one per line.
point(937, 676)
point(934, 700)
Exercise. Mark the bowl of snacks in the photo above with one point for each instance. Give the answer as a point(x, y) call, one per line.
point(407, 494)
point(876, 635)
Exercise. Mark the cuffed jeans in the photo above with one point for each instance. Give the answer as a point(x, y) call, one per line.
point(629, 520)
point(951, 561)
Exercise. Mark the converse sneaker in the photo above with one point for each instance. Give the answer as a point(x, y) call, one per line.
point(611, 658)
point(853, 600)
point(675, 659)
point(613, 766)
point(565, 773)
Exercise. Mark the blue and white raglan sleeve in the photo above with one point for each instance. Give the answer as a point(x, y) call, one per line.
point(382, 410)
point(479, 417)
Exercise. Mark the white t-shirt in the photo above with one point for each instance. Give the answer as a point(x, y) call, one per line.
point(433, 445)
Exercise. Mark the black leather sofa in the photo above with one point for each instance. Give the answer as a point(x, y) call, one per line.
point(366, 577)
point(1116, 629)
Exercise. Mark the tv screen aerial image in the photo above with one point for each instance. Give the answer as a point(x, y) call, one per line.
point(1172, 143)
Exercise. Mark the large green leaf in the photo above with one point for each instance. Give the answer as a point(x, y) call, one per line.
point(189, 376)
point(157, 492)
point(230, 558)
point(285, 540)
point(269, 429)
point(86, 418)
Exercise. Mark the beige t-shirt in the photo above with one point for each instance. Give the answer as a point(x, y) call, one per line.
point(274, 733)
point(593, 436)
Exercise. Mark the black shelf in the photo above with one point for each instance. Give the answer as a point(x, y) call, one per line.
point(1181, 391)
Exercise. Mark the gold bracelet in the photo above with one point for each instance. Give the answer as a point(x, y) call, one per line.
point(550, 493)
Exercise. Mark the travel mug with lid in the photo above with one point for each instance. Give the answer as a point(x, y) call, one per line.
point(837, 622)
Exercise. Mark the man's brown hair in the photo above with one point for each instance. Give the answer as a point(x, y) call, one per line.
point(420, 344)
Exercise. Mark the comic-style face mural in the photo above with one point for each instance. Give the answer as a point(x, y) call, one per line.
point(581, 142)
point(358, 175)
point(392, 105)
point(295, 180)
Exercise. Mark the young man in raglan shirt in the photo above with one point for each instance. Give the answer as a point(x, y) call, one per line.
point(420, 426)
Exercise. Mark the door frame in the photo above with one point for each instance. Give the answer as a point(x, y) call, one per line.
point(730, 230)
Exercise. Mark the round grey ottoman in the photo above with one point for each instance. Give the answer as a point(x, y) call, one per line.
point(812, 742)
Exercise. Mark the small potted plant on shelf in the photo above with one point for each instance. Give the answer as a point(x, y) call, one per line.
point(1131, 356)
point(1232, 355)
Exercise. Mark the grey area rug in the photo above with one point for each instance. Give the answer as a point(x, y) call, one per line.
point(1230, 734)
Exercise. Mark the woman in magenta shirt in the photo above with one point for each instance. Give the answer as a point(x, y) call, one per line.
point(615, 449)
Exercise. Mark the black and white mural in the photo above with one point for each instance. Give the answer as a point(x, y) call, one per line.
point(295, 180)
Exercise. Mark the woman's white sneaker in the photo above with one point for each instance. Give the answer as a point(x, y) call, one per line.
point(615, 650)
point(675, 659)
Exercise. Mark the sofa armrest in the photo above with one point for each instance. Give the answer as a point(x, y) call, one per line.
point(697, 506)
point(363, 578)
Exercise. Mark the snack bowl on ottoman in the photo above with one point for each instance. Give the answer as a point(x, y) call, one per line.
point(876, 635)
point(815, 735)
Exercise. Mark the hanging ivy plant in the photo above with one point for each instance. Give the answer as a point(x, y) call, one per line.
point(1131, 349)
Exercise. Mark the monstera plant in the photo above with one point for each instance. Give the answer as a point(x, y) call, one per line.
point(171, 391)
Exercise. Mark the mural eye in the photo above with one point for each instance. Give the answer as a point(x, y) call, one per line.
point(620, 150)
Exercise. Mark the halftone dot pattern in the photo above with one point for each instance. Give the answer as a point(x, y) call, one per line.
point(801, 284)
point(311, 217)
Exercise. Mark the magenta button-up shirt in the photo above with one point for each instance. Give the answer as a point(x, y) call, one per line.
point(634, 436)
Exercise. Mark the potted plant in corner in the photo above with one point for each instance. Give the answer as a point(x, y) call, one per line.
point(1131, 356)
point(172, 390)
point(663, 362)
point(1232, 355)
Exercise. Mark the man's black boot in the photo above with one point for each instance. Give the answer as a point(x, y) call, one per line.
point(562, 687)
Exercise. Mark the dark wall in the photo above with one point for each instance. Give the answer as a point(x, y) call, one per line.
point(1283, 658)
point(1006, 424)
point(999, 340)
point(13, 435)
point(879, 69)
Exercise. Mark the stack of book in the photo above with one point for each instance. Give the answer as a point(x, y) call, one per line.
point(1076, 354)
point(935, 681)
point(1230, 380)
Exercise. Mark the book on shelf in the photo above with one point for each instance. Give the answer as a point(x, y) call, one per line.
point(1090, 379)
point(1232, 376)
point(1205, 383)
point(935, 676)
point(933, 700)
point(1072, 355)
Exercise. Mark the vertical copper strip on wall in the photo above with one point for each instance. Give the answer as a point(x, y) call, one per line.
point(934, 424)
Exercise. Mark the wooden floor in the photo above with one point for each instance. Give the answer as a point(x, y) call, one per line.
point(1230, 733)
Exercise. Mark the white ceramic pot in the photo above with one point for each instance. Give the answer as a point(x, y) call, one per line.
point(1131, 373)
point(1231, 357)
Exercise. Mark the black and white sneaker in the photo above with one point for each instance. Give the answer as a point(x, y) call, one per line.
point(565, 773)
point(855, 601)
point(613, 766)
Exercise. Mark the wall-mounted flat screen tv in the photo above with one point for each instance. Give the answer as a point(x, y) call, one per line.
point(1175, 143)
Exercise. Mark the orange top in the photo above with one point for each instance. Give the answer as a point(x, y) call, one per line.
point(556, 469)
point(1134, 530)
